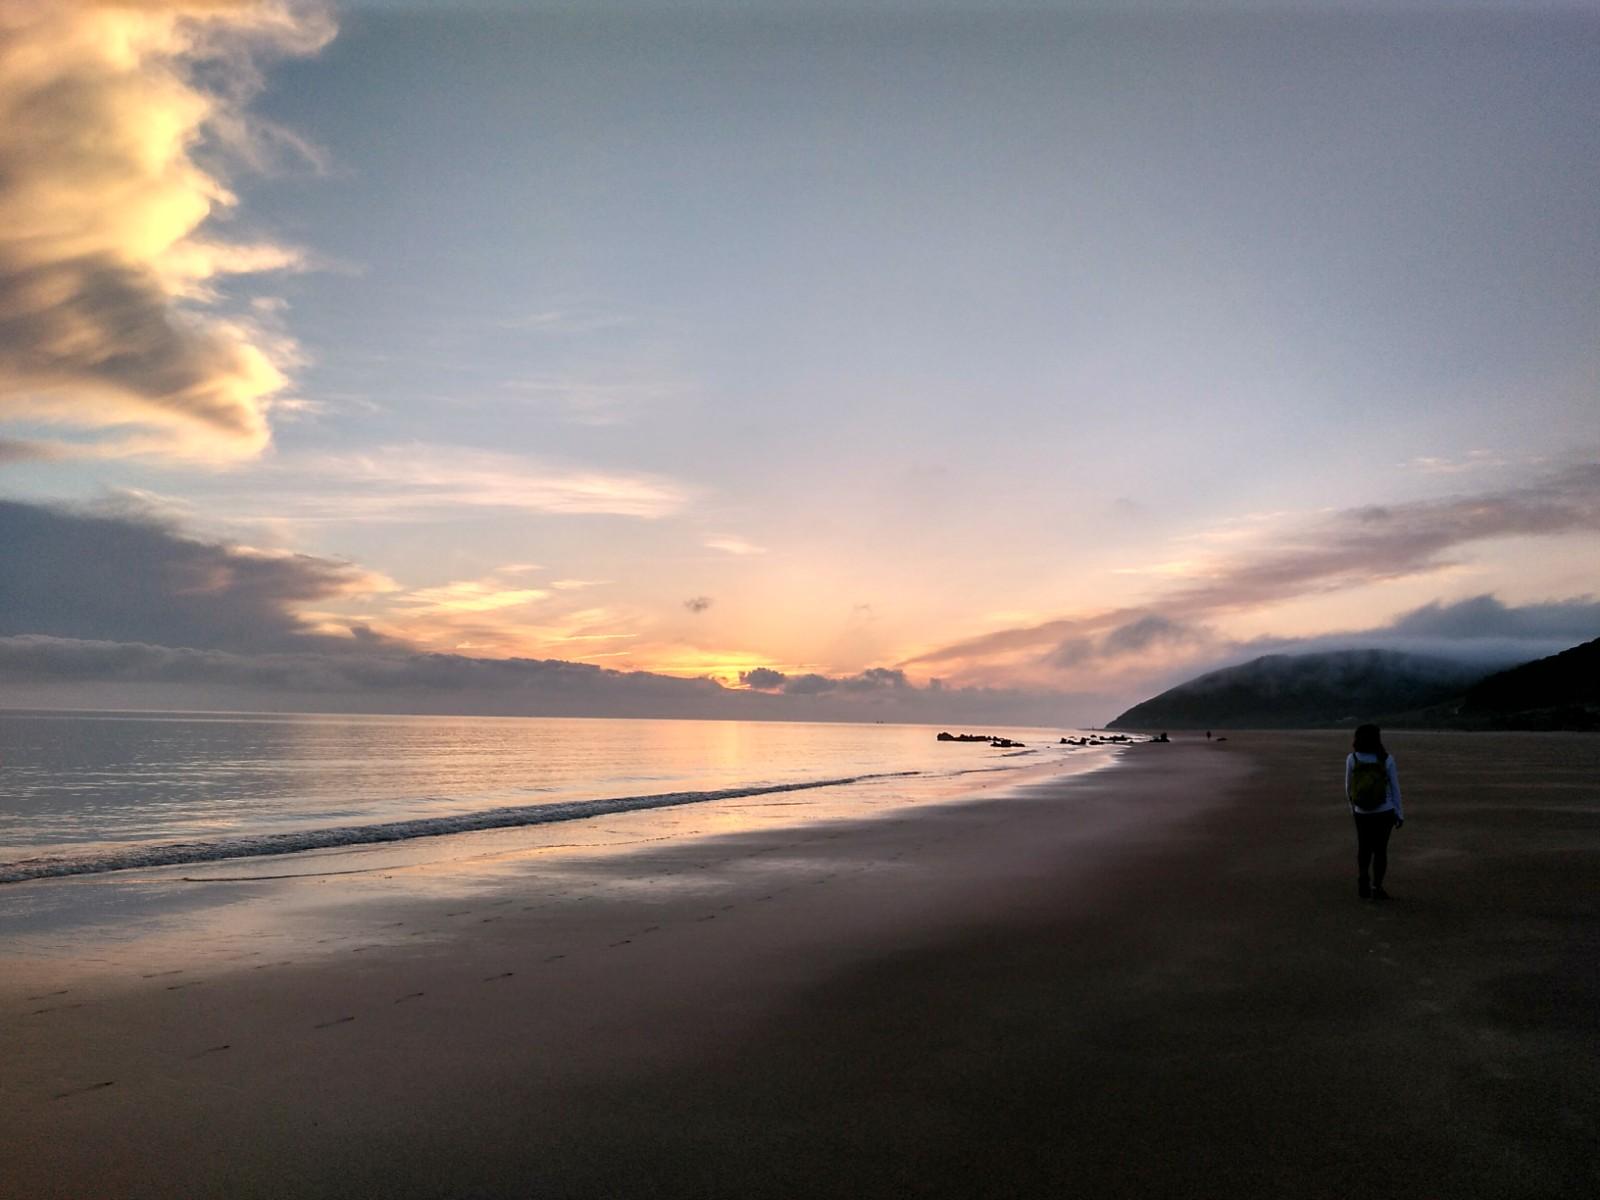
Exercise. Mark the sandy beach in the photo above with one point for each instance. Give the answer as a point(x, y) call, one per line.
point(1149, 980)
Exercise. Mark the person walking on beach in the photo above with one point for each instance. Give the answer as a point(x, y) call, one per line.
point(1372, 786)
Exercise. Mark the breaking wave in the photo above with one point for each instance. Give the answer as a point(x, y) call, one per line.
point(175, 853)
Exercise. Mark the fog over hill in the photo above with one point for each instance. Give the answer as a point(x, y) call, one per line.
point(1283, 691)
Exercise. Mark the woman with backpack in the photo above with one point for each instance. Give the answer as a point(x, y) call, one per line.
point(1372, 786)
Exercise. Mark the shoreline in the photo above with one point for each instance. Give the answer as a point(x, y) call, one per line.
point(158, 914)
point(993, 998)
point(100, 830)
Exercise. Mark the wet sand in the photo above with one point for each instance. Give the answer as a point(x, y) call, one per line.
point(1153, 980)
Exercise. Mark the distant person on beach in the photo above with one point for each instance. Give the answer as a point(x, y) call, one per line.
point(1372, 787)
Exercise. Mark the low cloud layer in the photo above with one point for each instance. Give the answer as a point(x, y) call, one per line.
point(873, 679)
point(1483, 618)
point(1479, 630)
point(75, 672)
point(115, 120)
point(119, 607)
point(381, 670)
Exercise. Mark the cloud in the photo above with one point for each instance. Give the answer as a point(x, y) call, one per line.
point(1475, 460)
point(502, 614)
point(114, 122)
point(1137, 637)
point(120, 606)
point(729, 544)
point(872, 680)
point(36, 658)
point(1327, 553)
point(381, 678)
point(569, 321)
point(414, 481)
point(875, 679)
point(1479, 630)
point(15, 450)
point(698, 604)
point(468, 596)
point(1483, 617)
point(587, 399)
point(762, 679)
point(127, 576)
point(1144, 633)
point(1382, 542)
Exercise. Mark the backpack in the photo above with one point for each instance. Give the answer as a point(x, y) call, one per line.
point(1369, 784)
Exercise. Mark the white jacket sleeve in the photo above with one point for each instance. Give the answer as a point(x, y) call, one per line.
point(1394, 790)
point(1348, 760)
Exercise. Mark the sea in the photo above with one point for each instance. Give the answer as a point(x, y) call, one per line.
point(88, 792)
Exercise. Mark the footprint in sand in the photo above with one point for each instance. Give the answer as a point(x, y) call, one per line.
point(159, 974)
point(335, 1021)
point(173, 987)
point(54, 1008)
point(48, 995)
point(409, 996)
point(213, 1050)
point(502, 975)
point(93, 1087)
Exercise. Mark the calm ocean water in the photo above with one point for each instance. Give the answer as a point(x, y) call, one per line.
point(83, 792)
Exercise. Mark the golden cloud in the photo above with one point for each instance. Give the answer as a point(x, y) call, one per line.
point(109, 142)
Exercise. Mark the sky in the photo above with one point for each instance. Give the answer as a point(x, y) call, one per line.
point(905, 361)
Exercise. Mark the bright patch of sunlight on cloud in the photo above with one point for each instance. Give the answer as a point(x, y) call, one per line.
point(109, 142)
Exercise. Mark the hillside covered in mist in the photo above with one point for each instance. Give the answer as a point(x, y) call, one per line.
point(1341, 688)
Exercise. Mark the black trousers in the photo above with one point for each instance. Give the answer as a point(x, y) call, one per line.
point(1372, 844)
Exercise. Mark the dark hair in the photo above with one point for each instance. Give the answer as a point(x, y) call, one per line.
point(1369, 740)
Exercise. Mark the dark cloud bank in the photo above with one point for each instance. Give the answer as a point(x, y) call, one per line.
point(108, 608)
point(126, 577)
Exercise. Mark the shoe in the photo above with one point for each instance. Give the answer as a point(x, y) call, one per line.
point(1379, 894)
point(1363, 890)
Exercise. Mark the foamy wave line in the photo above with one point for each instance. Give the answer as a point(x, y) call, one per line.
point(175, 853)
